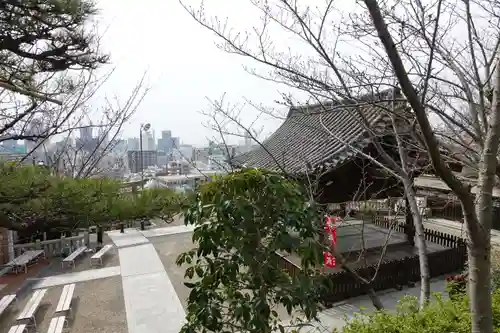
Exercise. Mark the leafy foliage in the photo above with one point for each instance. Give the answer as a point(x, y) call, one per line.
point(56, 27)
point(32, 200)
point(159, 202)
point(440, 316)
point(456, 285)
point(242, 220)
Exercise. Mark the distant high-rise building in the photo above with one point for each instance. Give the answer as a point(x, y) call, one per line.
point(184, 153)
point(34, 146)
point(151, 144)
point(9, 146)
point(165, 142)
point(133, 144)
point(119, 146)
point(86, 133)
point(86, 141)
point(148, 141)
point(175, 143)
point(149, 158)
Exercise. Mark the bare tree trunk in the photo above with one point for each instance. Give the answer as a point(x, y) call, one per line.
point(425, 288)
point(479, 219)
point(480, 230)
point(480, 280)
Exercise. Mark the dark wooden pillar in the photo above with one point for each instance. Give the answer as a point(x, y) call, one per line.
point(343, 210)
point(100, 234)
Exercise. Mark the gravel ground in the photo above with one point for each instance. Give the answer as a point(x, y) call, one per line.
point(100, 307)
point(97, 307)
point(169, 248)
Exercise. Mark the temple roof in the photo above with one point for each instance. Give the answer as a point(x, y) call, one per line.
point(323, 134)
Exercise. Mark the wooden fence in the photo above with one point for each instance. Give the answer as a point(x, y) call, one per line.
point(392, 273)
point(433, 236)
point(54, 247)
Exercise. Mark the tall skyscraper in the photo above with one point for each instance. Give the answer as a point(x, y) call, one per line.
point(34, 147)
point(166, 134)
point(148, 141)
point(149, 158)
point(133, 144)
point(87, 142)
point(175, 143)
point(164, 143)
point(86, 133)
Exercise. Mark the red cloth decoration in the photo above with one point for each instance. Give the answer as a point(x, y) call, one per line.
point(331, 229)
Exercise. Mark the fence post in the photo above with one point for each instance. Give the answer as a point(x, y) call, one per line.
point(38, 245)
point(86, 239)
point(63, 244)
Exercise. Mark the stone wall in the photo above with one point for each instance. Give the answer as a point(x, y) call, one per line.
point(4, 246)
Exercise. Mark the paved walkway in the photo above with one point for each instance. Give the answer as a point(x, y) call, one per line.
point(178, 229)
point(151, 303)
point(91, 274)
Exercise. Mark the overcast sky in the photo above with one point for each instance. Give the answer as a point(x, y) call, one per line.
point(184, 65)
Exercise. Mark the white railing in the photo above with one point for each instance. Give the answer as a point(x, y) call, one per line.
point(54, 247)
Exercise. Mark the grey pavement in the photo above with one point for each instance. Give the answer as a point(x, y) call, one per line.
point(151, 303)
point(129, 238)
point(92, 274)
point(164, 231)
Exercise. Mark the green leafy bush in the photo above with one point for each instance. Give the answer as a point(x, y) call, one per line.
point(456, 285)
point(440, 316)
point(242, 220)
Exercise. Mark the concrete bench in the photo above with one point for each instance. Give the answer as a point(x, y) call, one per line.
point(57, 324)
point(18, 329)
point(98, 256)
point(32, 306)
point(64, 304)
point(21, 262)
point(6, 301)
point(72, 257)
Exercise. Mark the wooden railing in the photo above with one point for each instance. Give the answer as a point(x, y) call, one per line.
point(54, 247)
point(433, 236)
point(391, 273)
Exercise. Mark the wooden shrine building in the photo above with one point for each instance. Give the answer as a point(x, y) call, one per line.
point(331, 141)
point(343, 148)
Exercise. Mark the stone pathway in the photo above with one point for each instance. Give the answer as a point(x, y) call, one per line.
point(93, 274)
point(151, 303)
point(179, 229)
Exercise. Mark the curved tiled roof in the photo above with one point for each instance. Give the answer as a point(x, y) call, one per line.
point(315, 135)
